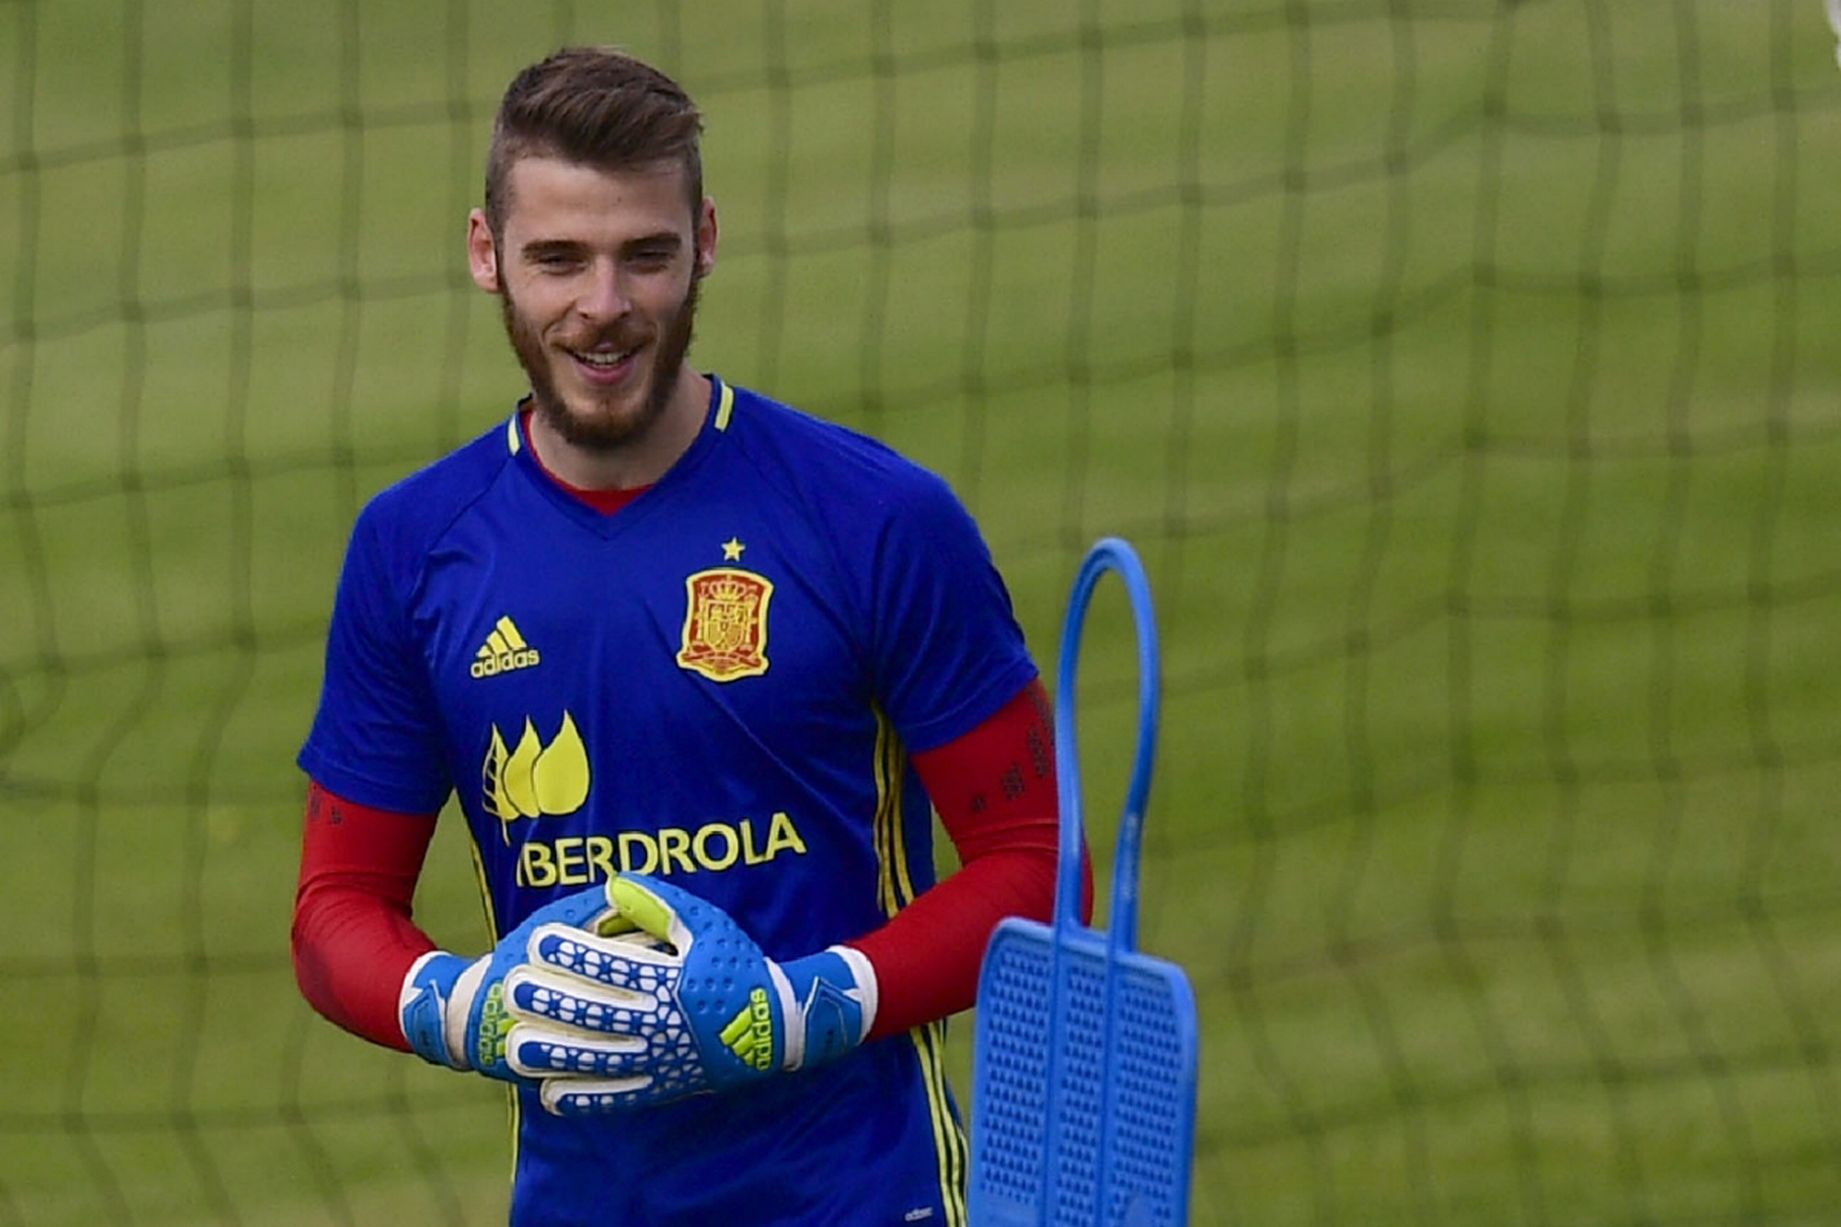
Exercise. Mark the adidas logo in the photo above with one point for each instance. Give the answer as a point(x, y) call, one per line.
point(749, 1034)
point(503, 651)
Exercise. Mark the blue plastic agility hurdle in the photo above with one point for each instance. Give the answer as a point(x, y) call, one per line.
point(1084, 1067)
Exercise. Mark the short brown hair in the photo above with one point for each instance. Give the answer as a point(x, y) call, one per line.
point(597, 106)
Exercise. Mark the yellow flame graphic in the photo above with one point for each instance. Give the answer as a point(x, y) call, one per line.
point(520, 788)
point(533, 779)
point(559, 778)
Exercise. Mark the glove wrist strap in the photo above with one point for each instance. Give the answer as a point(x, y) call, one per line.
point(432, 1007)
point(865, 973)
point(830, 1002)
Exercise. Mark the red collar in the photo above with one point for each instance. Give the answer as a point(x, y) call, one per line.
point(604, 501)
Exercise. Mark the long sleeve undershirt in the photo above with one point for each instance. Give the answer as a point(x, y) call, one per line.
point(354, 937)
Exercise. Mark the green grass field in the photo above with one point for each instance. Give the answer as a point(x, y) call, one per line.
point(1468, 377)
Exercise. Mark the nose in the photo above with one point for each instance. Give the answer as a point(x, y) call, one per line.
point(601, 298)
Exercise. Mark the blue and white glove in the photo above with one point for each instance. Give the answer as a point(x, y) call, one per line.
point(453, 1008)
point(668, 997)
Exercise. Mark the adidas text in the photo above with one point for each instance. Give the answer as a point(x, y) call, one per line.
point(505, 662)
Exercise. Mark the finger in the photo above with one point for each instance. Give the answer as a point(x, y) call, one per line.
point(538, 1051)
point(654, 907)
point(537, 994)
point(598, 1097)
point(632, 965)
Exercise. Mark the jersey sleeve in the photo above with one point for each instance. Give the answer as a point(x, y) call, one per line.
point(946, 646)
point(375, 739)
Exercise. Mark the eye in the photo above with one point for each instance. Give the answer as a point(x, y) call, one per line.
point(652, 257)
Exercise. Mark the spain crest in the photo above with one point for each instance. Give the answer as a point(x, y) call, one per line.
point(725, 624)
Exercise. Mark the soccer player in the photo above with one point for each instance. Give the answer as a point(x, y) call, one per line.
point(696, 667)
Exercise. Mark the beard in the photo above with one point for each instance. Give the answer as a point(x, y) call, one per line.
point(606, 430)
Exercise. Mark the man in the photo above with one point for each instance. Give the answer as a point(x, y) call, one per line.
point(694, 665)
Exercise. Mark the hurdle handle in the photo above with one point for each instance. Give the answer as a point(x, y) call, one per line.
point(1107, 554)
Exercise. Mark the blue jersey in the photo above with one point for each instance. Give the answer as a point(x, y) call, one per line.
point(720, 685)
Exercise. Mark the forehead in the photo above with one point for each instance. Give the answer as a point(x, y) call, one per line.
point(553, 198)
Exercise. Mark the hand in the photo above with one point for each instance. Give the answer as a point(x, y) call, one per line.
point(453, 1008)
point(668, 997)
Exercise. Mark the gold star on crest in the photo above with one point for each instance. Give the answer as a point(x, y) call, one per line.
point(732, 550)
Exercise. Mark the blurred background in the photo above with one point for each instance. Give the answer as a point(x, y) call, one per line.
point(1468, 374)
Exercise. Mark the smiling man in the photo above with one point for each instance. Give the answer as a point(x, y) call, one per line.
point(598, 274)
point(697, 668)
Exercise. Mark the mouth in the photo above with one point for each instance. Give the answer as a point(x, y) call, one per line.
point(604, 366)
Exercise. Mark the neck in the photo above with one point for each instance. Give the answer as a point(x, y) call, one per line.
point(639, 461)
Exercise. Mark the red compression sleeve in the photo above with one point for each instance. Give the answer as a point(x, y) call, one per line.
point(353, 939)
point(995, 791)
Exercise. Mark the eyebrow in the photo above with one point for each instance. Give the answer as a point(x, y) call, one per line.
point(667, 239)
point(537, 249)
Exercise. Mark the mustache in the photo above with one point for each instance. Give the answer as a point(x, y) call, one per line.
point(619, 338)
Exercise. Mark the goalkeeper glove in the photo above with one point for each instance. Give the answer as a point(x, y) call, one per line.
point(668, 997)
point(452, 1009)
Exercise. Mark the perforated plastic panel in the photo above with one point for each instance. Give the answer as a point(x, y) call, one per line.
point(1083, 1077)
point(1099, 1107)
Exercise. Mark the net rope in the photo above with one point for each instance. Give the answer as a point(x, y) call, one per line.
point(1464, 373)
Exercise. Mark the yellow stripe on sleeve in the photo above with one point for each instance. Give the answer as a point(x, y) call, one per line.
point(886, 800)
point(895, 771)
point(492, 938)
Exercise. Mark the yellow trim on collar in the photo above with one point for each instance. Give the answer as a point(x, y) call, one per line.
point(725, 407)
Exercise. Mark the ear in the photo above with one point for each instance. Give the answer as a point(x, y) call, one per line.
point(482, 253)
point(706, 239)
